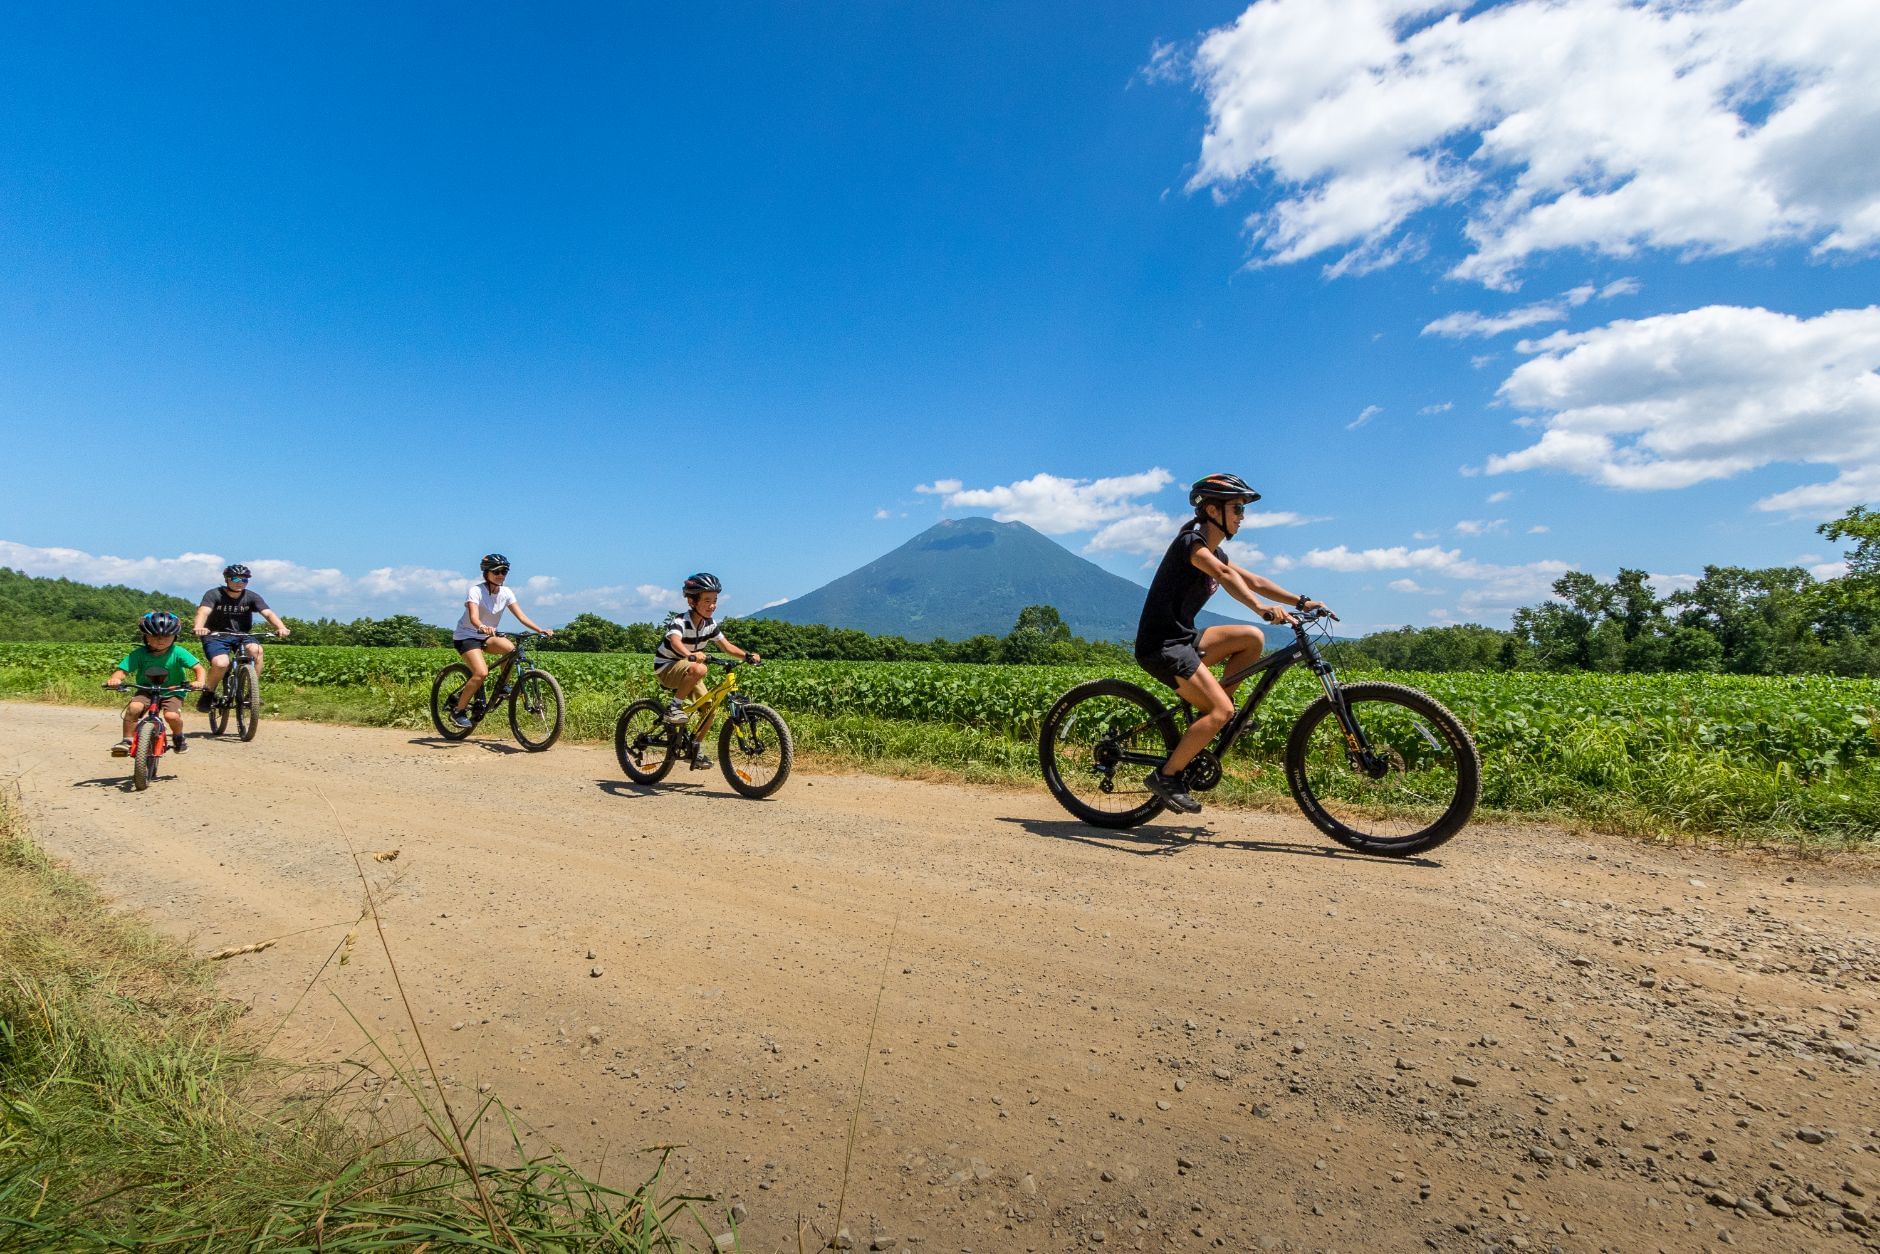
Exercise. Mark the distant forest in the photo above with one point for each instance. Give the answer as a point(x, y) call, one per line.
point(1776, 621)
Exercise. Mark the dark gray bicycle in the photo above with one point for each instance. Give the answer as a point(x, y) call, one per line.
point(239, 693)
point(1378, 767)
point(534, 697)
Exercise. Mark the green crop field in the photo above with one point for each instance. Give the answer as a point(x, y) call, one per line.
point(1767, 759)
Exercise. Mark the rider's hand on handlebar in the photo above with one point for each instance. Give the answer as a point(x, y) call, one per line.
point(202, 633)
point(1277, 615)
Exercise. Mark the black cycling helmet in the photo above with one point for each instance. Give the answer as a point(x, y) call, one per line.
point(236, 570)
point(704, 581)
point(1221, 488)
point(159, 623)
point(494, 561)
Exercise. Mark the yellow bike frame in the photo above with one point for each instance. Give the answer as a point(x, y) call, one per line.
point(703, 705)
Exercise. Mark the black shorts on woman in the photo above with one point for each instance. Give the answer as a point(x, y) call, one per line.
point(1167, 640)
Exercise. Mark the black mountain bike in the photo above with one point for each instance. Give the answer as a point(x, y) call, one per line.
point(240, 689)
point(534, 697)
point(1376, 766)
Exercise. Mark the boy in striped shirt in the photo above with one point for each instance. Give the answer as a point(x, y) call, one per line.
point(679, 661)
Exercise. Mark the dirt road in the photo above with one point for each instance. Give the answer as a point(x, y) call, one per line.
point(1225, 1033)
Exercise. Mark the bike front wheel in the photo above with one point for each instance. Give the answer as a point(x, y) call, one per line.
point(644, 743)
point(1417, 789)
point(535, 710)
point(144, 758)
point(444, 690)
point(756, 752)
point(247, 701)
point(1098, 744)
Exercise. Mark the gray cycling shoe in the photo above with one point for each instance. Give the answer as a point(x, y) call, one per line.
point(699, 761)
point(456, 717)
point(1171, 792)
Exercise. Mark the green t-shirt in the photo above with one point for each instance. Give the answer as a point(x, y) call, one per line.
point(172, 667)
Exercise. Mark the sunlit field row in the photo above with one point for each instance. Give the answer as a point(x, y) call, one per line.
point(1791, 758)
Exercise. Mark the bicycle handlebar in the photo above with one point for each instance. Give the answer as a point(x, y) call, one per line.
point(729, 663)
point(146, 687)
point(237, 635)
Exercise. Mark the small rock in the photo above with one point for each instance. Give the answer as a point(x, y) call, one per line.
point(592, 955)
point(593, 1034)
point(1186, 1164)
point(596, 972)
point(1717, 1197)
point(1810, 1136)
point(1466, 1081)
point(1404, 1064)
point(1222, 1073)
point(1163, 1104)
point(1180, 1084)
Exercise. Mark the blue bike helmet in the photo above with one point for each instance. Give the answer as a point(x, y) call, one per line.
point(704, 581)
point(159, 623)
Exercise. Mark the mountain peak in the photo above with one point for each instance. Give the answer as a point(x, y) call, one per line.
point(971, 576)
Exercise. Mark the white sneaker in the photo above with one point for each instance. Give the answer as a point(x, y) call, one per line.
point(675, 712)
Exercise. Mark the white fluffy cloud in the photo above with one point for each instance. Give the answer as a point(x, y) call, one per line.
point(1674, 400)
point(1146, 533)
point(1458, 326)
point(1699, 126)
point(1052, 504)
point(1496, 589)
point(307, 592)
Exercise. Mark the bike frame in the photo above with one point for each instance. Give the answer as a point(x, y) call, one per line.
point(496, 687)
point(716, 695)
point(1270, 668)
point(225, 690)
point(152, 716)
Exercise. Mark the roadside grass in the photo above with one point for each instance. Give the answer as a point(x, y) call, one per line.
point(135, 1114)
point(1600, 775)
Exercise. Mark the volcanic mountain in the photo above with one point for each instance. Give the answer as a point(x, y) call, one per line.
point(967, 576)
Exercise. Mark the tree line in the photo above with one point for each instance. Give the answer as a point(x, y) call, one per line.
point(1779, 620)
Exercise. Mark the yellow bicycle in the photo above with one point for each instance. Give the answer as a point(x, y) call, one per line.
point(754, 745)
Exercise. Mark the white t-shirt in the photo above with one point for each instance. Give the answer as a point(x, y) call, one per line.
point(490, 605)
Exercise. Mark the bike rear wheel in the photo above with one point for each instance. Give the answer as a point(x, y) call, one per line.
point(1082, 745)
point(535, 710)
point(644, 743)
point(247, 701)
point(144, 757)
point(756, 753)
point(444, 688)
point(1422, 783)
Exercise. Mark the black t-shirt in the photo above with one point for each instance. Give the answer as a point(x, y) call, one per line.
point(1176, 594)
point(227, 613)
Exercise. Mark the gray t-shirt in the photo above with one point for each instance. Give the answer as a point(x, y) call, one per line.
point(231, 613)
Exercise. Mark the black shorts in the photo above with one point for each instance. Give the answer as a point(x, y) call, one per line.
point(464, 646)
point(1172, 661)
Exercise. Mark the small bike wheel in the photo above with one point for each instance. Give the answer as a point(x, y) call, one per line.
point(756, 752)
point(219, 700)
point(247, 701)
point(535, 710)
point(144, 758)
point(444, 688)
point(1082, 749)
point(644, 743)
point(1419, 788)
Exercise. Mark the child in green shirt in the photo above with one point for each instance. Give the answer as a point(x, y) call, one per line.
point(159, 660)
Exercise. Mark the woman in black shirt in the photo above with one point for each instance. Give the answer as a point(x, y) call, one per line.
point(1169, 646)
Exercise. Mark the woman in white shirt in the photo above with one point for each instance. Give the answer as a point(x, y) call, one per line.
point(475, 635)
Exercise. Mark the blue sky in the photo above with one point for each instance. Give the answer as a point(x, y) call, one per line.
point(1474, 294)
